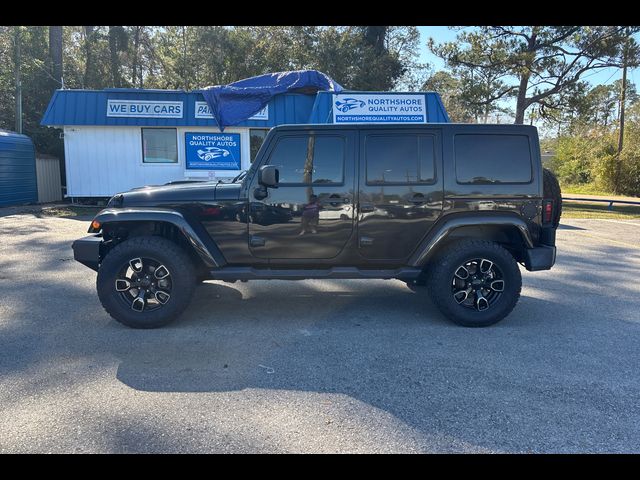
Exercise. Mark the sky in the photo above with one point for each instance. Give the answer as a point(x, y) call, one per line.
point(444, 34)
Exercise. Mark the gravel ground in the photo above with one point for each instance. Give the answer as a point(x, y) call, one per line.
point(320, 365)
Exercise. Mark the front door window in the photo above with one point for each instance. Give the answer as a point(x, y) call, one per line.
point(310, 214)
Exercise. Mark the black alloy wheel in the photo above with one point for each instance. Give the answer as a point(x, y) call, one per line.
point(144, 284)
point(477, 284)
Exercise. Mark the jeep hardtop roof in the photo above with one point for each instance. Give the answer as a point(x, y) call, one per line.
point(404, 126)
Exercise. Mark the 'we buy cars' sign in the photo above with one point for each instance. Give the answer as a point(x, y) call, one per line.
point(144, 109)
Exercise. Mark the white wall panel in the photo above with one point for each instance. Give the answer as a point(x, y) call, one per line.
point(102, 161)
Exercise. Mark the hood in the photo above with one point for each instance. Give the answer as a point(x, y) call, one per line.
point(176, 193)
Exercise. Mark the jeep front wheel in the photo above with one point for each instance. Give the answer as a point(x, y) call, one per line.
point(146, 282)
point(475, 283)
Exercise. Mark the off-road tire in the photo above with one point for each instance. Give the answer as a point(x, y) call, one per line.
point(417, 285)
point(552, 191)
point(441, 273)
point(178, 263)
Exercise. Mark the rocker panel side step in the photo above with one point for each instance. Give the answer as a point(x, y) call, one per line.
point(250, 273)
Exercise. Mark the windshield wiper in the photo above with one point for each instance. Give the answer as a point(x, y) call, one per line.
point(239, 177)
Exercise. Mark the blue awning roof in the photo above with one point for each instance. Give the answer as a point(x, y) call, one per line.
point(89, 107)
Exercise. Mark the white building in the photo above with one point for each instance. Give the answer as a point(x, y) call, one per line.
point(118, 139)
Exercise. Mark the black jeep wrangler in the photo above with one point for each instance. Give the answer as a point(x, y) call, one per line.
point(450, 207)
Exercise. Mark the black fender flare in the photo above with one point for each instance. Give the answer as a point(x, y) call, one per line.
point(443, 228)
point(194, 233)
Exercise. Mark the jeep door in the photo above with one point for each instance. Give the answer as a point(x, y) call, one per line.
point(311, 213)
point(400, 190)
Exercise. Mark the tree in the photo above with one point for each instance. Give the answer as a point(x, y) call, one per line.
point(55, 52)
point(590, 107)
point(118, 42)
point(89, 41)
point(141, 56)
point(626, 61)
point(404, 41)
point(378, 68)
point(482, 71)
point(450, 90)
point(543, 62)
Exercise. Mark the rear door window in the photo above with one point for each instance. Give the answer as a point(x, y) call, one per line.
point(400, 159)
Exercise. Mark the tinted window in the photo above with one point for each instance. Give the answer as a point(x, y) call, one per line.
point(324, 164)
point(427, 159)
point(400, 159)
point(328, 160)
point(256, 139)
point(159, 145)
point(492, 159)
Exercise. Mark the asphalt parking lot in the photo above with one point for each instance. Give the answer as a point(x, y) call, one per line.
point(320, 366)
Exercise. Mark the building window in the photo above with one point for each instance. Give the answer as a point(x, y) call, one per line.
point(491, 159)
point(310, 159)
point(400, 159)
point(256, 138)
point(159, 145)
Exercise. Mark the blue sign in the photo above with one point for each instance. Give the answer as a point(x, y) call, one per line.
point(379, 108)
point(212, 151)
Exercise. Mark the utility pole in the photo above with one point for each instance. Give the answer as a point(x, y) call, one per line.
point(18, 81)
point(623, 94)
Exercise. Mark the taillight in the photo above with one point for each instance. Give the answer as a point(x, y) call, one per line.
point(547, 214)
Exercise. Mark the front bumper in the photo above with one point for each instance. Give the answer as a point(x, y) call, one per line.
point(87, 250)
point(539, 258)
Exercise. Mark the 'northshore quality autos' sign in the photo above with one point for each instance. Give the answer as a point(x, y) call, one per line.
point(379, 108)
point(212, 151)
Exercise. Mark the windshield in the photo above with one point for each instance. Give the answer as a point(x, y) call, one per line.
point(242, 176)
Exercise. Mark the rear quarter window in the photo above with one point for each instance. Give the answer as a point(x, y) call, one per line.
point(492, 159)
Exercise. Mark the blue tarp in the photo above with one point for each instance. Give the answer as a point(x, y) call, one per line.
point(233, 103)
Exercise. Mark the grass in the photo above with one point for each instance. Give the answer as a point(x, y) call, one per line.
point(595, 210)
point(585, 189)
point(599, 211)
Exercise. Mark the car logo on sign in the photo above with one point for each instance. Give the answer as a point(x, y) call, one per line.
point(211, 153)
point(348, 104)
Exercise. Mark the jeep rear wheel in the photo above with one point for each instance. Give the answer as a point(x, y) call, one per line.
point(146, 282)
point(475, 283)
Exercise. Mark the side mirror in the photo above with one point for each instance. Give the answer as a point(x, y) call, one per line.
point(268, 176)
